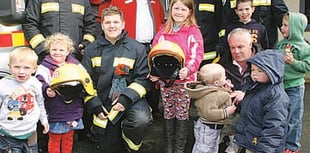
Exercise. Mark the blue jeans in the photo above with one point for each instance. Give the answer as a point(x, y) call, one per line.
point(33, 149)
point(12, 145)
point(296, 110)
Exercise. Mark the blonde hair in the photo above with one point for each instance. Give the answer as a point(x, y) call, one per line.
point(191, 20)
point(23, 54)
point(61, 38)
point(210, 73)
point(286, 17)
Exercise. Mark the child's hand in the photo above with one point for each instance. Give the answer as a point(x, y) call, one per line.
point(50, 93)
point(289, 58)
point(237, 96)
point(183, 73)
point(231, 109)
point(45, 128)
point(228, 85)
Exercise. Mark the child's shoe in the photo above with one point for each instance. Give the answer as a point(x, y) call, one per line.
point(290, 151)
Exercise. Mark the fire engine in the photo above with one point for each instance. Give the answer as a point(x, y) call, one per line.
point(12, 15)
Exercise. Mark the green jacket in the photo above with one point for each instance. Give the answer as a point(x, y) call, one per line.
point(294, 73)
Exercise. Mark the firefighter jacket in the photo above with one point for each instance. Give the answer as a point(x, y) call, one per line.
point(208, 16)
point(71, 17)
point(267, 12)
point(98, 6)
point(101, 58)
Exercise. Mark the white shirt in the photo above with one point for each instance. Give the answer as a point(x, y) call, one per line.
point(144, 22)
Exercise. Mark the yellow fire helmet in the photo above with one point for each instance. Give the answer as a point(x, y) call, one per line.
point(71, 73)
point(165, 59)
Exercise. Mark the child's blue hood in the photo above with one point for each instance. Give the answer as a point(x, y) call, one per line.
point(271, 62)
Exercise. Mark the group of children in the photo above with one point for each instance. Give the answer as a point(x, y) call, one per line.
point(271, 108)
point(28, 98)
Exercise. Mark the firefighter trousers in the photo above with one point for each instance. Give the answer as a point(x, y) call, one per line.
point(129, 130)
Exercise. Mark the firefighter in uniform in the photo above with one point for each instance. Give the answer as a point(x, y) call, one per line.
point(141, 14)
point(208, 16)
point(71, 17)
point(118, 67)
point(267, 12)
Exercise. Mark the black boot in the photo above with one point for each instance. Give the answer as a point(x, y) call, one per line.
point(169, 135)
point(181, 136)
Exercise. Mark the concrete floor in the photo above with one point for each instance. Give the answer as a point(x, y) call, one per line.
point(154, 139)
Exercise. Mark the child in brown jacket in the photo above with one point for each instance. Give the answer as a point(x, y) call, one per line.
point(213, 104)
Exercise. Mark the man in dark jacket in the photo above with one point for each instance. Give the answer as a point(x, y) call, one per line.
point(118, 67)
point(267, 12)
point(71, 17)
point(241, 49)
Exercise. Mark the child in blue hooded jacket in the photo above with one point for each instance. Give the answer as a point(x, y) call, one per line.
point(263, 117)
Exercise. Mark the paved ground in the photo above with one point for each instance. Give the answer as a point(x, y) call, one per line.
point(154, 139)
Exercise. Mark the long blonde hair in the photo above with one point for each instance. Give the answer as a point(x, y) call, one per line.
point(191, 20)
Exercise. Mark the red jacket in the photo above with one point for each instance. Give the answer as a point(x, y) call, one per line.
point(130, 17)
point(95, 1)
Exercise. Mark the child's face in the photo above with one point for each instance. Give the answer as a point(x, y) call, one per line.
point(244, 11)
point(258, 75)
point(59, 52)
point(22, 69)
point(285, 28)
point(179, 12)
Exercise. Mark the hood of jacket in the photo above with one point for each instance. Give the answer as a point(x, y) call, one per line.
point(297, 25)
point(50, 63)
point(271, 62)
point(198, 89)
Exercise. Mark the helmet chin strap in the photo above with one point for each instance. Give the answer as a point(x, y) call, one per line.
point(172, 79)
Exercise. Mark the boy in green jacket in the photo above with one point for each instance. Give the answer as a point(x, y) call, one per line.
point(297, 63)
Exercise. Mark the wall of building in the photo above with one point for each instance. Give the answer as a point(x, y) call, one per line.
point(294, 6)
